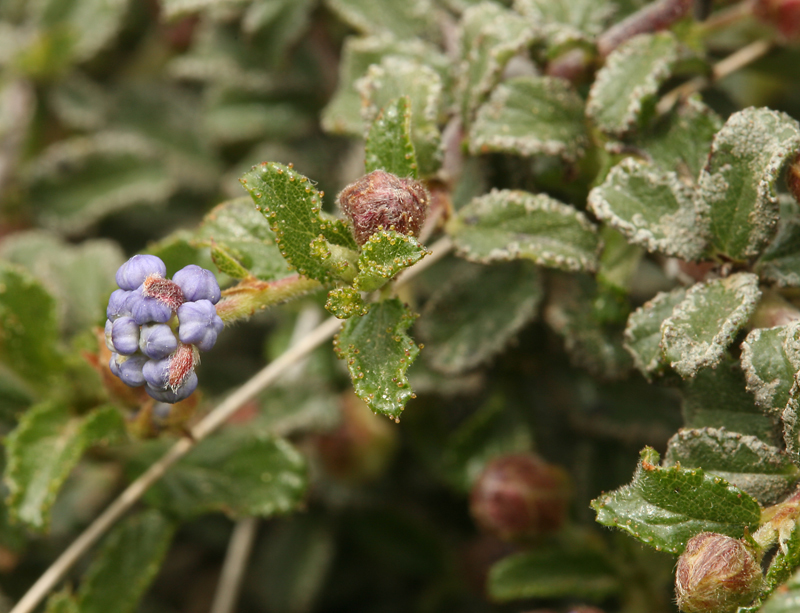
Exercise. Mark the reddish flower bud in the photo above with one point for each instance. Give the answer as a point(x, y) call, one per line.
point(783, 15)
point(381, 200)
point(716, 574)
point(793, 177)
point(520, 496)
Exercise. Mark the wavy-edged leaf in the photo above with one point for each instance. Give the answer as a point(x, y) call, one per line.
point(478, 312)
point(643, 331)
point(624, 90)
point(378, 353)
point(389, 145)
point(665, 507)
point(651, 207)
point(42, 451)
point(770, 359)
point(292, 206)
point(705, 323)
point(763, 471)
point(394, 77)
point(399, 19)
point(383, 256)
point(564, 20)
point(737, 187)
point(126, 564)
point(531, 116)
point(780, 263)
point(509, 225)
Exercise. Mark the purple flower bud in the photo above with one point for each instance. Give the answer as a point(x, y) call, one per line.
point(130, 369)
point(156, 373)
point(117, 304)
point(109, 344)
point(197, 284)
point(112, 364)
point(157, 341)
point(170, 396)
point(199, 324)
point(125, 335)
point(133, 272)
point(145, 309)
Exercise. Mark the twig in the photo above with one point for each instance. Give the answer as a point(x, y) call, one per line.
point(211, 422)
point(732, 63)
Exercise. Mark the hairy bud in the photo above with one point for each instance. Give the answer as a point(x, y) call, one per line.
point(520, 496)
point(793, 177)
point(381, 200)
point(716, 574)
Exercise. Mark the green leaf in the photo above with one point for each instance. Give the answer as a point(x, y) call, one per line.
point(791, 423)
point(643, 332)
point(770, 359)
point(383, 256)
point(785, 560)
point(705, 323)
point(241, 241)
point(763, 471)
point(623, 93)
point(737, 187)
point(531, 116)
point(399, 19)
point(780, 263)
point(344, 302)
point(651, 207)
point(509, 225)
point(378, 353)
point(238, 473)
point(28, 328)
point(548, 572)
point(619, 261)
point(42, 451)
point(389, 145)
point(395, 77)
point(665, 507)
point(478, 312)
point(126, 564)
point(717, 398)
point(680, 140)
point(291, 204)
point(564, 19)
point(489, 36)
point(785, 600)
point(62, 602)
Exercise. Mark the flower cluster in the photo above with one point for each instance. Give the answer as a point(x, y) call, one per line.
point(157, 326)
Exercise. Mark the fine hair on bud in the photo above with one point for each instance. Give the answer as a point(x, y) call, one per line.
point(716, 574)
point(383, 201)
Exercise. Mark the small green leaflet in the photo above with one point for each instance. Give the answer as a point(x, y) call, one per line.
point(384, 255)
point(389, 145)
point(770, 359)
point(643, 332)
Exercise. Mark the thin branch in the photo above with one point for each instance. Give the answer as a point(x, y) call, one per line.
point(211, 422)
point(230, 581)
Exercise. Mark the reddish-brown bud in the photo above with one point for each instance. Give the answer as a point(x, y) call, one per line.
point(793, 177)
point(381, 200)
point(520, 496)
point(783, 15)
point(716, 574)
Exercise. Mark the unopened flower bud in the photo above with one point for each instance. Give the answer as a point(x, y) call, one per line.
point(199, 324)
point(793, 177)
point(133, 272)
point(381, 200)
point(125, 335)
point(716, 574)
point(197, 284)
point(520, 496)
point(783, 15)
point(157, 341)
point(171, 396)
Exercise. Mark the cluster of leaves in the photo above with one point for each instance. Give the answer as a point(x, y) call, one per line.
point(652, 240)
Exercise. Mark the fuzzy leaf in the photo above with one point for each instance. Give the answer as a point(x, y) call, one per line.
point(651, 207)
point(665, 507)
point(240, 474)
point(531, 116)
point(42, 451)
point(344, 302)
point(383, 256)
point(478, 312)
point(378, 353)
point(785, 600)
point(558, 17)
point(705, 323)
point(395, 77)
point(624, 90)
point(400, 19)
point(737, 187)
point(785, 560)
point(763, 471)
point(509, 225)
point(489, 36)
point(292, 205)
point(770, 359)
point(552, 573)
point(643, 332)
point(241, 241)
point(126, 564)
point(389, 145)
point(780, 262)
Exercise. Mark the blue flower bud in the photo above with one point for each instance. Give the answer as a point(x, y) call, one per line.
point(125, 335)
point(173, 396)
point(157, 341)
point(156, 373)
point(197, 284)
point(133, 272)
point(199, 324)
point(117, 304)
point(107, 331)
point(112, 364)
point(130, 369)
point(145, 309)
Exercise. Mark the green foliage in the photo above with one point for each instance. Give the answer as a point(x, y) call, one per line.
point(389, 145)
